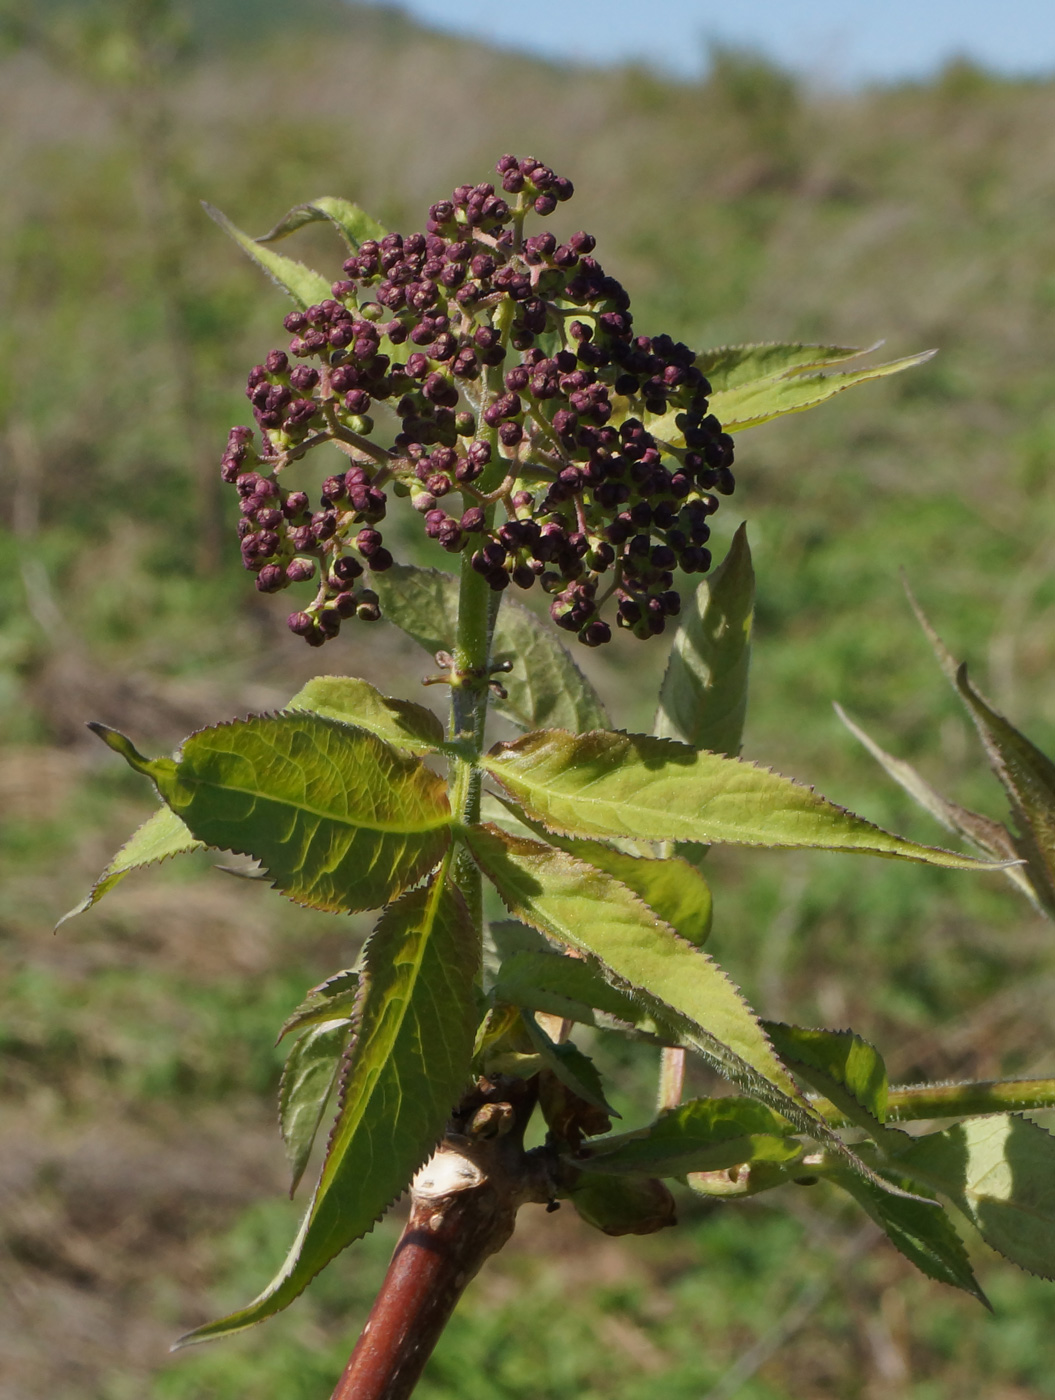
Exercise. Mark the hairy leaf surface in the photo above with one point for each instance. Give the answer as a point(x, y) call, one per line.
point(845, 1068)
point(354, 701)
point(415, 1022)
point(588, 910)
point(306, 286)
point(311, 1070)
point(160, 837)
point(920, 1229)
point(703, 699)
point(561, 986)
point(1000, 1172)
point(338, 818)
point(605, 784)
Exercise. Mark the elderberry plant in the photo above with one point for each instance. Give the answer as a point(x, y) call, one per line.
point(483, 363)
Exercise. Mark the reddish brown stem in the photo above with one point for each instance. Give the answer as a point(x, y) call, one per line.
point(463, 1209)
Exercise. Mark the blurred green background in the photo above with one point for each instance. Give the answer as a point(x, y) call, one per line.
point(141, 1176)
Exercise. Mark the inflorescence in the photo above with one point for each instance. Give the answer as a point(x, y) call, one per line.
point(512, 367)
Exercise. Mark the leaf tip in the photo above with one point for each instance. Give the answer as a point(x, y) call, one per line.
point(114, 739)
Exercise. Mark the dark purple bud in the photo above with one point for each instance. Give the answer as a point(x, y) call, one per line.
point(346, 569)
point(301, 623)
point(271, 578)
point(300, 570)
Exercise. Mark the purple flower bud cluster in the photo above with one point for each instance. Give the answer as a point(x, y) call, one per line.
point(521, 389)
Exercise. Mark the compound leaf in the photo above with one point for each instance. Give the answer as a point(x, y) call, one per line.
point(588, 910)
point(415, 1026)
point(306, 286)
point(311, 1070)
point(920, 1229)
point(160, 837)
point(338, 818)
point(355, 701)
point(703, 699)
point(617, 785)
point(1000, 1172)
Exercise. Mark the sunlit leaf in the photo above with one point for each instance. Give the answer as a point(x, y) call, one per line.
point(729, 366)
point(845, 1068)
point(604, 784)
point(920, 1229)
point(410, 1062)
point(160, 837)
point(703, 699)
point(701, 1135)
point(306, 286)
point(311, 1071)
point(338, 818)
point(1000, 1172)
point(750, 404)
point(588, 910)
point(354, 701)
point(352, 223)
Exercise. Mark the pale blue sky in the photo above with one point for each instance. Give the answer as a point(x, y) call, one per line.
point(832, 42)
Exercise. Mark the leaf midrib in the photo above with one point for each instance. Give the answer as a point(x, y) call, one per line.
point(383, 828)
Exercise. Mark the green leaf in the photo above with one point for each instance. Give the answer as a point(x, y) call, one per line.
point(701, 1135)
point(703, 699)
point(352, 223)
point(670, 886)
point(1026, 774)
point(354, 701)
point(331, 1000)
point(304, 285)
point(990, 837)
point(653, 789)
point(729, 366)
point(415, 1030)
point(311, 1071)
point(575, 1070)
point(423, 603)
point(920, 1229)
point(161, 836)
point(587, 910)
point(845, 1068)
point(545, 687)
point(338, 818)
point(750, 404)
point(561, 986)
point(1000, 1172)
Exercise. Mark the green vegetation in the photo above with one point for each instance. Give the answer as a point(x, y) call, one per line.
point(735, 210)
